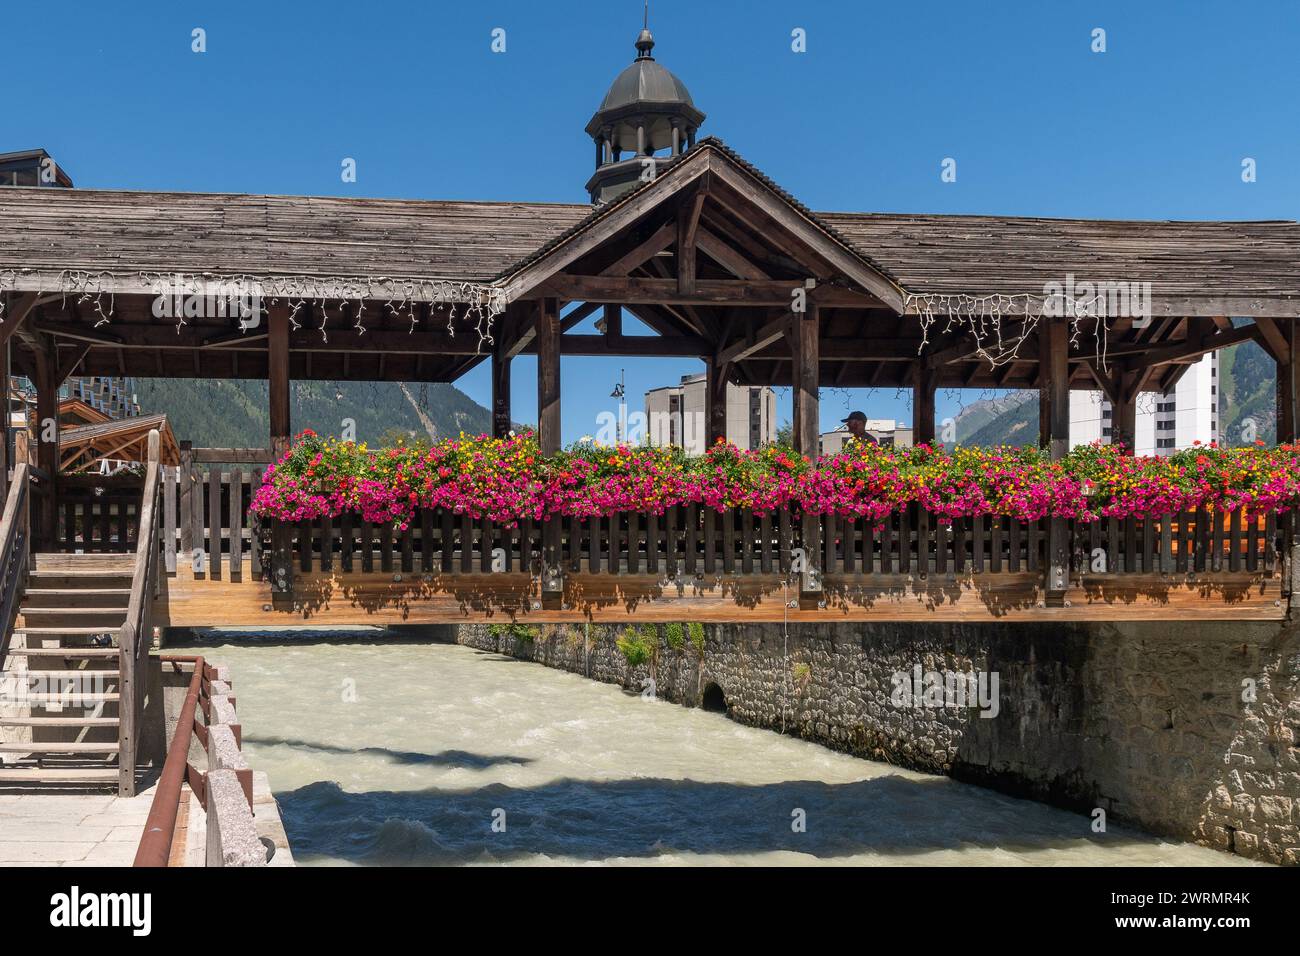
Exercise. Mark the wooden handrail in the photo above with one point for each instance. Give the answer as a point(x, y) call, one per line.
point(15, 551)
point(133, 643)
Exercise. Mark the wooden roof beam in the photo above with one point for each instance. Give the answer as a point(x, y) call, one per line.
point(734, 292)
point(755, 340)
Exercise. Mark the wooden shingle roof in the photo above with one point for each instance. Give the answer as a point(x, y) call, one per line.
point(91, 230)
point(48, 231)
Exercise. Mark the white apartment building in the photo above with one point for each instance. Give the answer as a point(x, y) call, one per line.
point(675, 415)
point(1165, 422)
point(886, 431)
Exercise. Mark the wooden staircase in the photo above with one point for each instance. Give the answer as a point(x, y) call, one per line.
point(60, 717)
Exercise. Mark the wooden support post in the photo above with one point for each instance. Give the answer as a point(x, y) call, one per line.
point(805, 348)
point(548, 429)
point(1288, 433)
point(1288, 386)
point(715, 401)
point(1055, 392)
point(1123, 417)
point(548, 376)
point(501, 424)
point(278, 375)
point(923, 390)
point(1044, 385)
point(47, 429)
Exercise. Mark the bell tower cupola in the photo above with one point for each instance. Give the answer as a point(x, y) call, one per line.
point(646, 119)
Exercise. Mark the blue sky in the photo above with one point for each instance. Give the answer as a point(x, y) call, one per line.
point(1155, 127)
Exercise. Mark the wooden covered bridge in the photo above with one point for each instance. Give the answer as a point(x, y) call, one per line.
point(721, 264)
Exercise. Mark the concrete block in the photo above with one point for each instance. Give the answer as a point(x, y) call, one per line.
point(232, 833)
point(223, 749)
point(221, 710)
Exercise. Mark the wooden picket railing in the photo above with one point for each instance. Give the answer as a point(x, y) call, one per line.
point(692, 539)
point(97, 514)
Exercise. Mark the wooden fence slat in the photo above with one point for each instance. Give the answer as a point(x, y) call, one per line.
point(905, 539)
point(830, 532)
point(848, 542)
point(1215, 519)
point(670, 540)
point(236, 525)
point(1013, 551)
point(1234, 543)
point(345, 542)
point(728, 519)
point(1202, 538)
point(783, 545)
point(995, 544)
point(633, 542)
point(575, 543)
point(747, 541)
point(327, 543)
point(710, 540)
point(445, 540)
point(924, 530)
point(170, 486)
point(185, 491)
point(304, 545)
point(1252, 542)
point(214, 523)
point(367, 547)
point(408, 547)
point(941, 535)
point(426, 541)
point(1166, 544)
point(1270, 542)
point(254, 526)
point(1181, 543)
point(1148, 544)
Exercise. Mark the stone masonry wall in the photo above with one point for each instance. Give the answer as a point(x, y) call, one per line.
point(1187, 730)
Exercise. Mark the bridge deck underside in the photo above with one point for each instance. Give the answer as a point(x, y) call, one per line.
point(383, 598)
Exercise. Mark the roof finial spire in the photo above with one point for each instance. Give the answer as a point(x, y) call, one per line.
point(646, 41)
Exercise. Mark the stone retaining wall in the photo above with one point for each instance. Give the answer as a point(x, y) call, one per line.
point(1186, 730)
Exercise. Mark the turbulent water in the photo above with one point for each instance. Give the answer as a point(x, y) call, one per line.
point(385, 752)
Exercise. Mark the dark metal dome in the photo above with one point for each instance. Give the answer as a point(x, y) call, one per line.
point(645, 81)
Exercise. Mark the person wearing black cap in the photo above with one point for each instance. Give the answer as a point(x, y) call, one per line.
point(857, 426)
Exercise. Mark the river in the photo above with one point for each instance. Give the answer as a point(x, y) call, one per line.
point(383, 751)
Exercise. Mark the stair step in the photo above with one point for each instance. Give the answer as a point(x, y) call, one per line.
point(59, 722)
point(54, 674)
point(54, 747)
point(69, 629)
point(73, 699)
point(79, 652)
point(78, 592)
point(85, 559)
point(81, 572)
point(31, 775)
point(31, 610)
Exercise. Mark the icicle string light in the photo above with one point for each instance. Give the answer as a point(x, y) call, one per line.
point(480, 304)
point(986, 319)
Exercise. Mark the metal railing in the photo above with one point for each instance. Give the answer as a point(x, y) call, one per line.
point(160, 826)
